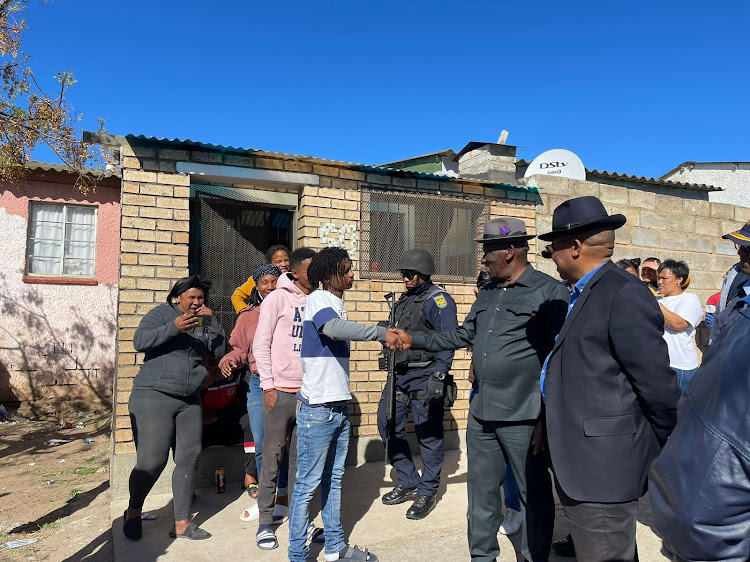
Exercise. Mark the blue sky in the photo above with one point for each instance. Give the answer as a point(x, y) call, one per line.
point(632, 87)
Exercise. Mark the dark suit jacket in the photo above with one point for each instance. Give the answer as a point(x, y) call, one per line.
point(611, 396)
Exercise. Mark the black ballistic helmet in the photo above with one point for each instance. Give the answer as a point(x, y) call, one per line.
point(417, 260)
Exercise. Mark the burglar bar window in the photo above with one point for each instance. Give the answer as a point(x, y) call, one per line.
point(445, 226)
point(62, 240)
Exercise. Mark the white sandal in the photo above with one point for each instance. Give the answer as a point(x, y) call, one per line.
point(250, 514)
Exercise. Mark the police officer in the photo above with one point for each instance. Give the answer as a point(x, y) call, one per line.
point(421, 382)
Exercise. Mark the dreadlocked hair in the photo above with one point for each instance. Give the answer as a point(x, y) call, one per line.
point(326, 264)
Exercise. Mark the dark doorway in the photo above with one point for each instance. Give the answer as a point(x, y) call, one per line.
point(228, 241)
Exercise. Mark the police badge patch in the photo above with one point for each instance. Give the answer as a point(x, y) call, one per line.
point(440, 301)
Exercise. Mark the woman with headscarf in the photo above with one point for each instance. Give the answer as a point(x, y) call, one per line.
point(241, 340)
point(165, 405)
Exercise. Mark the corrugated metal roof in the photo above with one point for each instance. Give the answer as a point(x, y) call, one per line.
point(46, 167)
point(640, 179)
point(187, 144)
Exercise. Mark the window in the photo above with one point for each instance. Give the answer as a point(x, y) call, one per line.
point(393, 222)
point(62, 240)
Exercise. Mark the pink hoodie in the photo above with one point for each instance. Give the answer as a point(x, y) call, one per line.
point(278, 337)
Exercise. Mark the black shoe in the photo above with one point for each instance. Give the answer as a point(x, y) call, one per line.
point(565, 547)
point(133, 528)
point(399, 495)
point(421, 507)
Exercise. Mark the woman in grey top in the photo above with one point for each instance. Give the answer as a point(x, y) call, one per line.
point(165, 409)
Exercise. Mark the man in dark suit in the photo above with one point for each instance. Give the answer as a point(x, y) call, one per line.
point(610, 395)
point(512, 326)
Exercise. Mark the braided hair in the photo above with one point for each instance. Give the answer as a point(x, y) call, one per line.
point(326, 264)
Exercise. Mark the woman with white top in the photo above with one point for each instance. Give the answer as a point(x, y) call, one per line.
point(682, 313)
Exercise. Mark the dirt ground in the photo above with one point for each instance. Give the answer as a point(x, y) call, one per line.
point(64, 505)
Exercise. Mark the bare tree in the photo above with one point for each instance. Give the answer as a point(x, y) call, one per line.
point(31, 116)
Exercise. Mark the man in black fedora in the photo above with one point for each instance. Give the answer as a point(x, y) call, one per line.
point(609, 392)
point(512, 326)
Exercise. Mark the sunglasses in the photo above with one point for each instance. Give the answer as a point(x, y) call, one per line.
point(550, 249)
point(409, 274)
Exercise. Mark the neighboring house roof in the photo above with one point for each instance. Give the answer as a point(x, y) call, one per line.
point(447, 153)
point(99, 138)
point(45, 167)
point(693, 163)
point(639, 179)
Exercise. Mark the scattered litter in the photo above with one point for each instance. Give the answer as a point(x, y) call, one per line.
point(80, 425)
point(32, 464)
point(55, 442)
point(61, 461)
point(49, 482)
point(18, 543)
point(82, 415)
point(146, 516)
point(102, 470)
point(88, 441)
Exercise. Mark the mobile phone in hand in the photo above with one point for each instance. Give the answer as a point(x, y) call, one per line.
point(204, 320)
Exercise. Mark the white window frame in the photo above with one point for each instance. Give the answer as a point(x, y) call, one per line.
point(65, 222)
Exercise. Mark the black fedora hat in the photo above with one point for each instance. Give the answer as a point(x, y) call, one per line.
point(504, 229)
point(581, 213)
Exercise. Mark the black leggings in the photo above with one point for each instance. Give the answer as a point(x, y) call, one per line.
point(161, 422)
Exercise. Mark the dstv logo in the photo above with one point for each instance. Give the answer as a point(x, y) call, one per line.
point(547, 165)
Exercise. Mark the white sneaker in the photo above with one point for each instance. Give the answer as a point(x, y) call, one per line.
point(511, 522)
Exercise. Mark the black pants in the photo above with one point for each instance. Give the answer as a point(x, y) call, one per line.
point(161, 422)
point(602, 532)
point(428, 427)
point(490, 446)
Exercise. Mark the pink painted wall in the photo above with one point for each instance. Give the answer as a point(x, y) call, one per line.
point(15, 200)
point(58, 341)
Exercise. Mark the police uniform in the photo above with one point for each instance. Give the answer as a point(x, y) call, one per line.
point(426, 309)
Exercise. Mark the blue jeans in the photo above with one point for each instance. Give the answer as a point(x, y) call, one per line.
point(322, 444)
point(255, 415)
point(684, 378)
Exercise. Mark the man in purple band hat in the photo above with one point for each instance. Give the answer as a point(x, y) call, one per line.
point(512, 326)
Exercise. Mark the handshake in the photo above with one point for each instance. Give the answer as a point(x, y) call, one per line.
point(397, 340)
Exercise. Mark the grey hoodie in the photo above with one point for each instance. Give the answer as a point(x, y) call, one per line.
point(174, 360)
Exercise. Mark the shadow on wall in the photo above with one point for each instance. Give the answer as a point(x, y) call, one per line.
point(50, 366)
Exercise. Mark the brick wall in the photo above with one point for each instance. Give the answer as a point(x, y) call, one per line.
point(154, 250)
point(662, 222)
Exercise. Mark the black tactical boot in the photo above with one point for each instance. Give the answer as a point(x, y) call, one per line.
point(421, 507)
point(399, 495)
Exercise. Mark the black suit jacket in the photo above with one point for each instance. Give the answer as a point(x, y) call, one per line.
point(611, 396)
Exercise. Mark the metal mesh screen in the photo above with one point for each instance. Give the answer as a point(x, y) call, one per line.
point(445, 226)
point(228, 243)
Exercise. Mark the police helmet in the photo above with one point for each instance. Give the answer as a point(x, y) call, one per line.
point(417, 260)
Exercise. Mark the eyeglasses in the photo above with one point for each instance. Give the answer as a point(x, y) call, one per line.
point(409, 274)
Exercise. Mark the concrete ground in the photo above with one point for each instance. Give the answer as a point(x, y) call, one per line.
point(367, 522)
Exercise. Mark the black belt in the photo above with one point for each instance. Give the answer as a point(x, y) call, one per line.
point(407, 397)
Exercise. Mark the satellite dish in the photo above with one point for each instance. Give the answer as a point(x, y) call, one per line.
point(557, 162)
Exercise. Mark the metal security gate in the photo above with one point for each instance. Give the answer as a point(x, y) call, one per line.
point(228, 242)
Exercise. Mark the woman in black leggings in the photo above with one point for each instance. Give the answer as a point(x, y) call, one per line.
point(165, 408)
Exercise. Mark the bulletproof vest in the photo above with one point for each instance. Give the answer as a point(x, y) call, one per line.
point(412, 320)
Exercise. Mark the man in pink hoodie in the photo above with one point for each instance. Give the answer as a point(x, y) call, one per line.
point(277, 344)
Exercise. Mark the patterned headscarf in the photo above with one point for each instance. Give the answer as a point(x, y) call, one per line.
point(266, 269)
